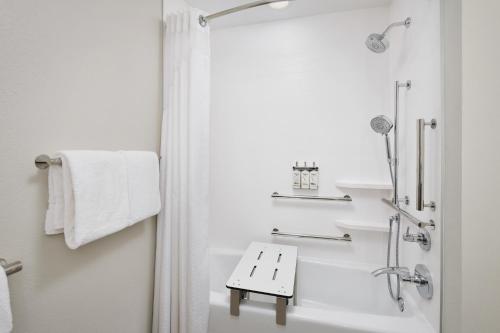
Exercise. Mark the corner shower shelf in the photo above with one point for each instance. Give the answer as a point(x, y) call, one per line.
point(362, 225)
point(267, 269)
point(364, 186)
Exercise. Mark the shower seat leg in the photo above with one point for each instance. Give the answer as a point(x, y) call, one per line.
point(281, 304)
point(234, 304)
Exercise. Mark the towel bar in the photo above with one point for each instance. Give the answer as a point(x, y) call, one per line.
point(44, 161)
point(11, 268)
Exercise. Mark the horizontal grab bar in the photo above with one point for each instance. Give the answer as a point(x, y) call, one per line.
point(411, 218)
point(11, 268)
point(345, 238)
point(310, 197)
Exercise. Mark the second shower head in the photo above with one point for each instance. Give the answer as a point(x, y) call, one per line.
point(381, 124)
point(378, 43)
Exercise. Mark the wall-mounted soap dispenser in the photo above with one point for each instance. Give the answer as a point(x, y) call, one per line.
point(304, 177)
point(296, 176)
point(314, 177)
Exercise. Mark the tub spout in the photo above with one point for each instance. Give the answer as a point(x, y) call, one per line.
point(403, 273)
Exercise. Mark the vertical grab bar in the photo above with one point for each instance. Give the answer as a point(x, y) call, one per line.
point(421, 205)
point(397, 85)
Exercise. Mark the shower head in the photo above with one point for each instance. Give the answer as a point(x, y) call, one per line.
point(381, 125)
point(378, 43)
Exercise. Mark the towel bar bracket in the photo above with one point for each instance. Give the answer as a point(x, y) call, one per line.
point(44, 161)
point(11, 268)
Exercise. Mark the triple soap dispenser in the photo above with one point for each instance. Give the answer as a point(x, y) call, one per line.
point(305, 176)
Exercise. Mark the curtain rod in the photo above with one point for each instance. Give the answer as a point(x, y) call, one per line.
point(205, 19)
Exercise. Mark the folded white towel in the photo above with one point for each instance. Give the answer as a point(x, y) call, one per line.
point(54, 219)
point(5, 311)
point(102, 192)
point(143, 184)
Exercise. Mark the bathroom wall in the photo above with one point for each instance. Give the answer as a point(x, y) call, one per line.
point(415, 55)
point(299, 89)
point(76, 75)
point(481, 162)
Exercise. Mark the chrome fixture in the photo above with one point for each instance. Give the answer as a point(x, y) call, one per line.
point(383, 125)
point(345, 238)
point(411, 218)
point(44, 161)
point(423, 238)
point(422, 278)
point(421, 163)
point(11, 268)
point(397, 85)
point(378, 43)
point(394, 295)
point(405, 200)
point(310, 197)
point(204, 20)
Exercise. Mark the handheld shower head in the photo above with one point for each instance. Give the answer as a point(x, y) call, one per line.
point(378, 43)
point(381, 124)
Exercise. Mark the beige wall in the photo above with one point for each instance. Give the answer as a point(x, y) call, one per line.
point(451, 260)
point(481, 166)
point(76, 75)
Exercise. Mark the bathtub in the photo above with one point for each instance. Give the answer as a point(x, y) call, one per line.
point(330, 298)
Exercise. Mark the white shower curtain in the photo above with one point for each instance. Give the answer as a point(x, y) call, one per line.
point(181, 300)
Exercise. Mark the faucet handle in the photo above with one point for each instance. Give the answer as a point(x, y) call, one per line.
point(423, 238)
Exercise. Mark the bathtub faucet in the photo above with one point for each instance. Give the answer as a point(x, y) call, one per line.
point(403, 273)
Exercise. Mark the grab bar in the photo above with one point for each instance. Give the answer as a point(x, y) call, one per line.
point(44, 161)
point(311, 197)
point(421, 164)
point(345, 238)
point(410, 217)
point(11, 268)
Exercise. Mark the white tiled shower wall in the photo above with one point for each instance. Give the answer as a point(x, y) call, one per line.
point(300, 89)
point(306, 89)
point(416, 55)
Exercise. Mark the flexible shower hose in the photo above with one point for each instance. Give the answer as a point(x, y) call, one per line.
point(396, 296)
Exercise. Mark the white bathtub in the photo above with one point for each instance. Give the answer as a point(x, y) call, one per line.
point(331, 298)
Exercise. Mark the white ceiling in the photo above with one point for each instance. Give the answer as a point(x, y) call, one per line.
point(297, 8)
